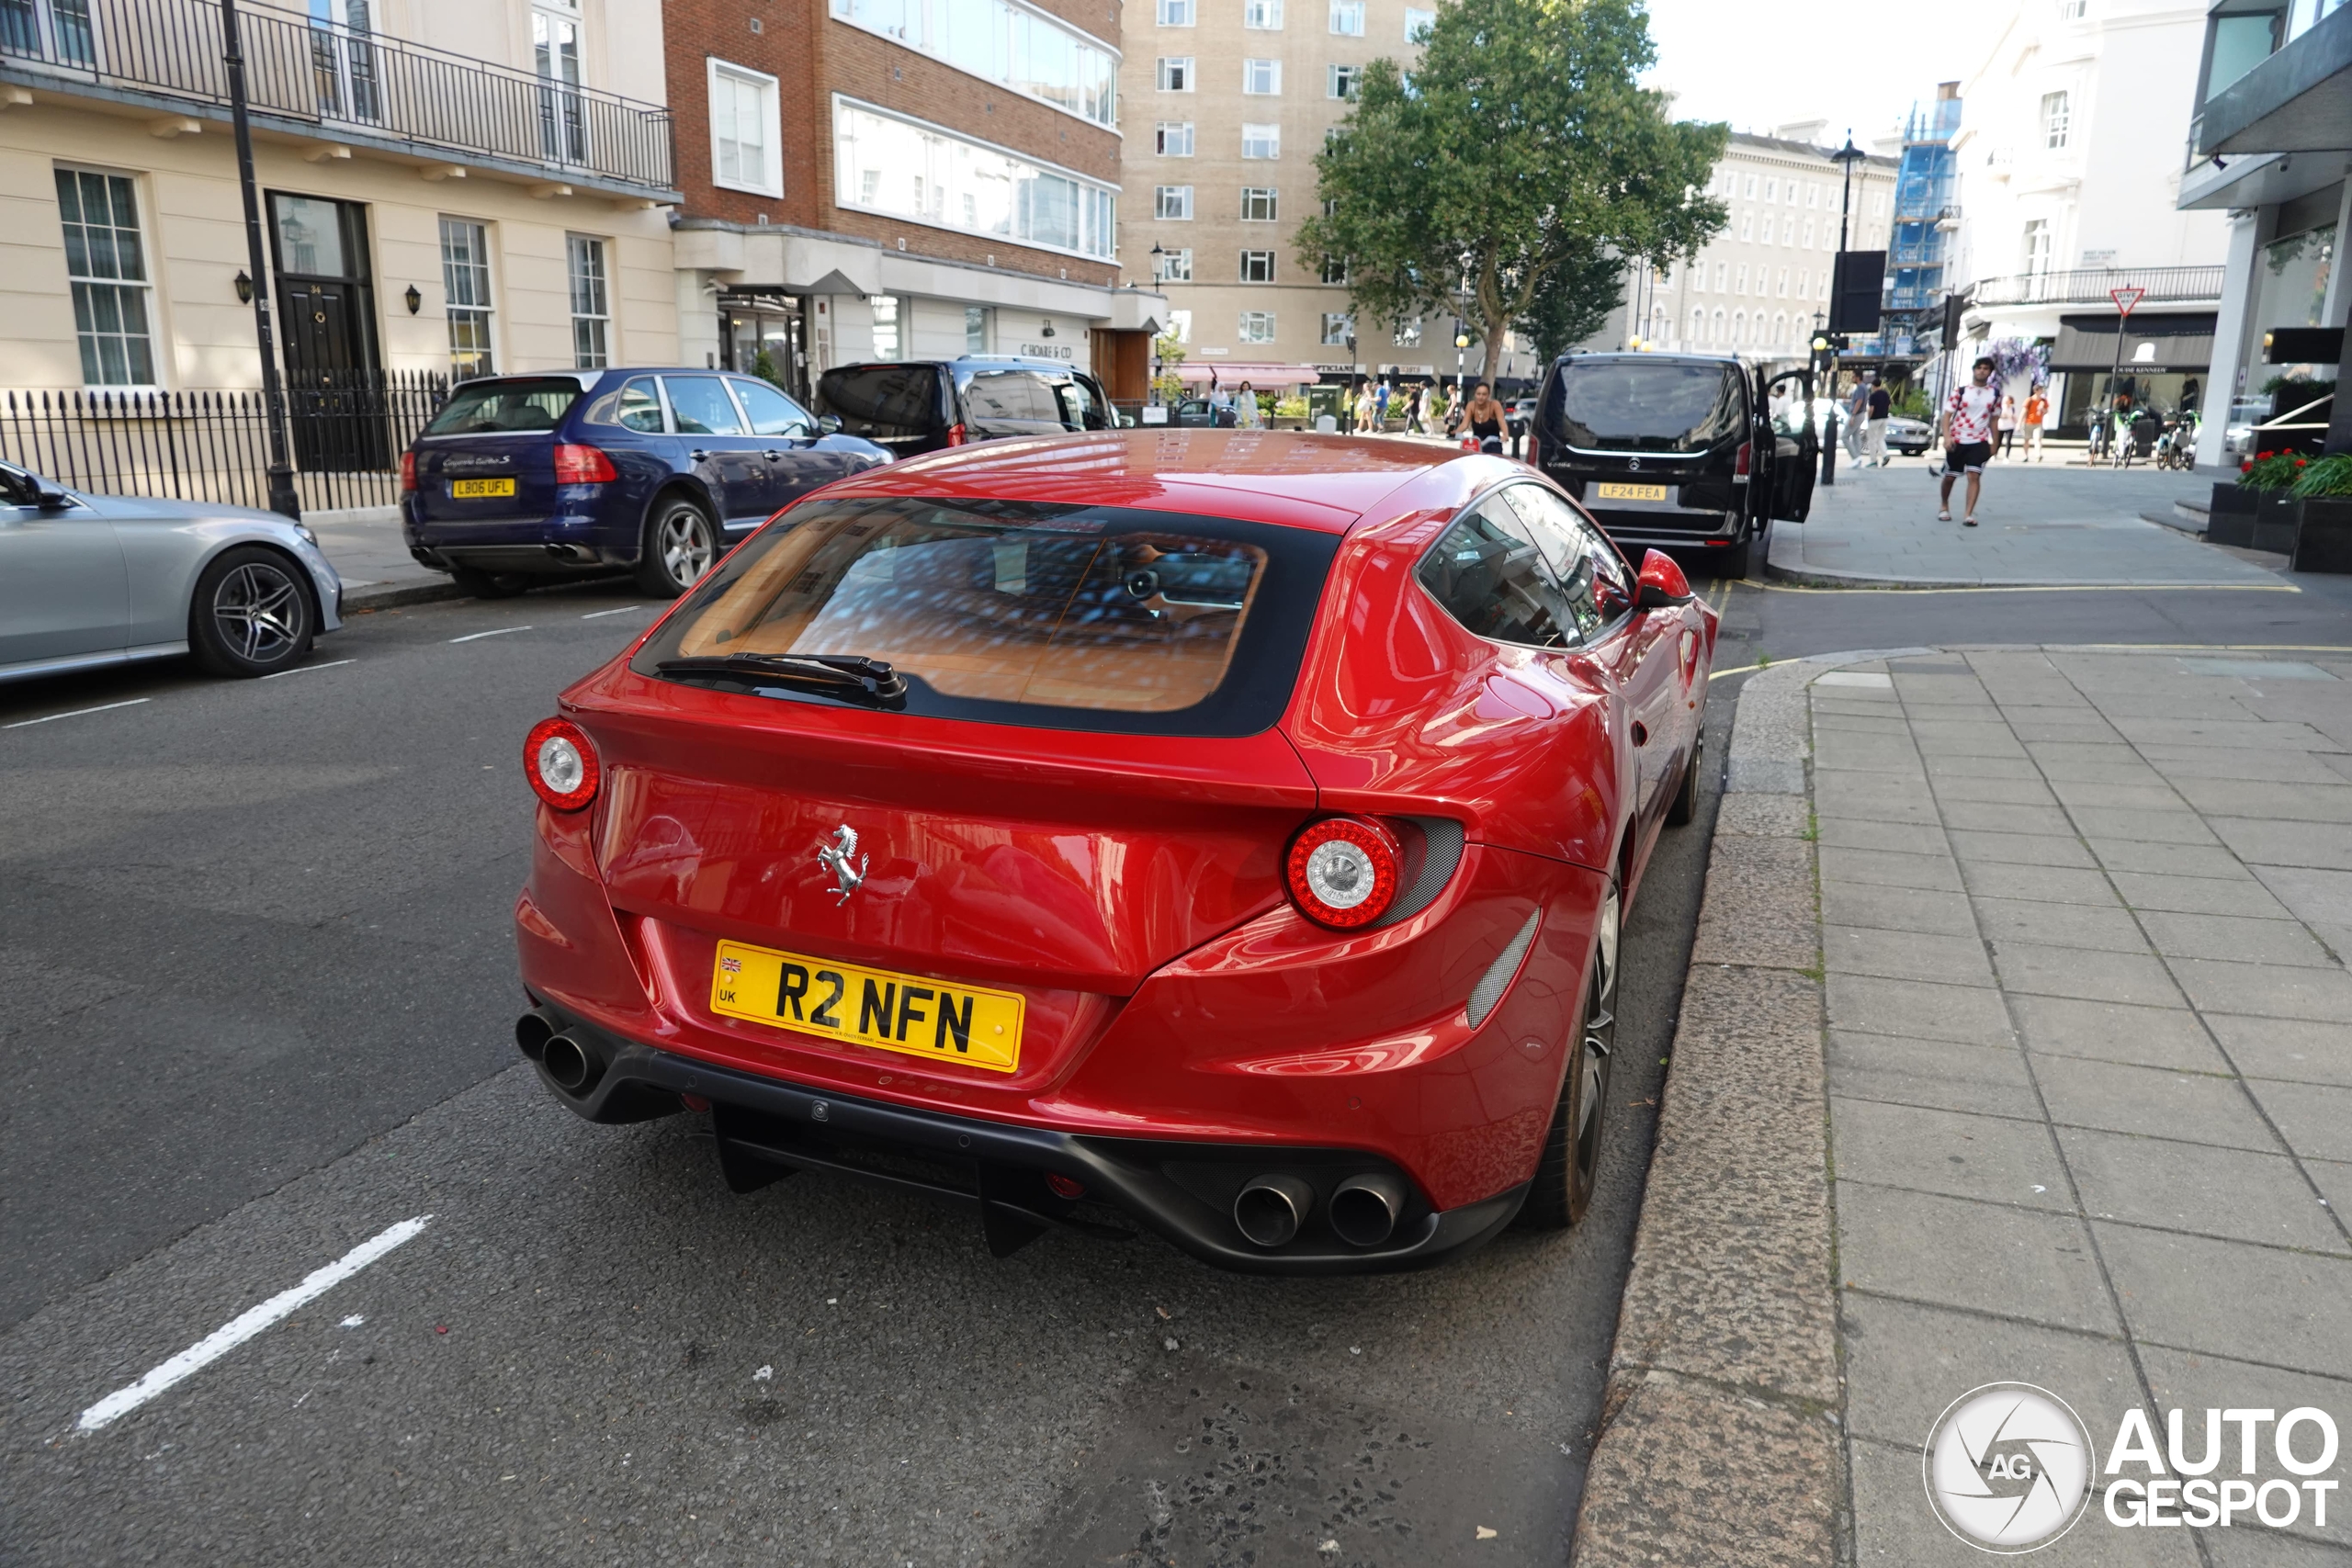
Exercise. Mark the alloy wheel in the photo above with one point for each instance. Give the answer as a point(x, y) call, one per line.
point(683, 540)
point(258, 609)
point(1599, 1038)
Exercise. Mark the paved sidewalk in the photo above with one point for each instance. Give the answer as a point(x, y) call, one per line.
point(366, 547)
point(2089, 1053)
point(2039, 525)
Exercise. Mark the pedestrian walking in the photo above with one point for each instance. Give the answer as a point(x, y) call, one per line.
point(2009, 424)
point(1970, 421)
point(1880, 407)
point(1245, 408)
point(1380, 403)
point(1857, 419)
point(2037, 409)
point(1367, 410)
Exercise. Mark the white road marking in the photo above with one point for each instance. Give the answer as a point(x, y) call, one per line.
point(306, 669)
point(77, 713)
point(623, 610)
point(239, 1329)
point(475, 636)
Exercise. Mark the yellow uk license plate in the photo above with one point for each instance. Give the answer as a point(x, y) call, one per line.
point(910, 1014)
point(1633, 492)
point(472, 489)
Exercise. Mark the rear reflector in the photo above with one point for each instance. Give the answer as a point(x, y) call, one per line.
point(1746, 450)
point(583, 466)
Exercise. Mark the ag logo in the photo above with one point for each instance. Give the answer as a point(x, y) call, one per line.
point(2008, 1467)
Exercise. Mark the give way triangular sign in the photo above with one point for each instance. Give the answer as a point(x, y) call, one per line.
point(2125, 299)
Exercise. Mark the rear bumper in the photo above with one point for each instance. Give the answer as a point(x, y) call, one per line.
point(549, 560)
point(1667, 529)
point(767, 1126)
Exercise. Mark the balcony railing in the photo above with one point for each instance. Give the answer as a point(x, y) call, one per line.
point(334, 79)
point(2091, 285)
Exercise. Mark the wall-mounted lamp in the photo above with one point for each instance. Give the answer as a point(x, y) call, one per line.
point(244, 288)
point(1049, 329)
point(415, 300)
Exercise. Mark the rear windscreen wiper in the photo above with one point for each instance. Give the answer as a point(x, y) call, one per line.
point(846, 675)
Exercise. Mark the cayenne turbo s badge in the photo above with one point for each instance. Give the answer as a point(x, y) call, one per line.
point(836, 857)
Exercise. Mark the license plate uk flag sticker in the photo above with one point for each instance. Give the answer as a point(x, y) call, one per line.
point(732, 966)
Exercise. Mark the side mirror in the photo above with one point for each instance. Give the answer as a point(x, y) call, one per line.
point(828, 424)
point(1661, 585)
point(48, 497)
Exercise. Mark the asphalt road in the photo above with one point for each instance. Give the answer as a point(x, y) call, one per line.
point(260, 994)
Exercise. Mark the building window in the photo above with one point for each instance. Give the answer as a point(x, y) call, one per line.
point(1780, 284)
point(744, 131)
point(1408, 333)
point(1335, 269)
point(1262, 15)
point(886, 326)
point(1418, 24)
point(107, 268)
point(1338, 327)
point(1259, 205)
point(1262, 141)
point(1262, 78)
point(1176, 13)
point(976, 328)
point(1179, 325)
point(1740, 287)
point(590, 310)
point(1347, 18)
point(1257, 326)
point(2037, 247)
point(1808, 233)
point(1004, 41)
point(1345, 80)
point(1257, 267)
point(1771, 190)
point(1812, 194)
point(2055, 113)
point(1698, 324)
point(1802, 276)
point(1175, 73)
point(1175, 138)
point(1176, 267)
point(465, 278)
point(1172, 202)
point(904, 169)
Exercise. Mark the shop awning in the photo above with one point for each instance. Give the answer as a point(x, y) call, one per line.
point(1195, 372)
point(2152, 345)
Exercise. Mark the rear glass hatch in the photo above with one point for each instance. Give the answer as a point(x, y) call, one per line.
point(896, 406)
point(489, 453)
point(1058, 615)
point(1647, 437)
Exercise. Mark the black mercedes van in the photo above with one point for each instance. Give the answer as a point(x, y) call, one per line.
point(922, 405)
point(1687, 452)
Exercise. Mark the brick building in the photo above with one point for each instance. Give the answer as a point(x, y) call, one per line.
point(888, 179)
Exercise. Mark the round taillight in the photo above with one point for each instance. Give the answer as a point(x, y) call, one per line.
point(1344, 871)
point(561, 763)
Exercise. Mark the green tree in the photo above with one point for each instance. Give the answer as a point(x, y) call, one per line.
point(1522, 162)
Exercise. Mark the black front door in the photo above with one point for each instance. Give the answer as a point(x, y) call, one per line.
point(327, 330)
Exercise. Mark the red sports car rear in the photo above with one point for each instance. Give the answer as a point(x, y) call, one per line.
point(1220, 832)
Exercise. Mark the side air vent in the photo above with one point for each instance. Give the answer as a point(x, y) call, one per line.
point(1428, 865)
point(1496, 979)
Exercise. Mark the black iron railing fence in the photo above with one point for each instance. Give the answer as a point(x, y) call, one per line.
point(328, 76)
point(347, 438)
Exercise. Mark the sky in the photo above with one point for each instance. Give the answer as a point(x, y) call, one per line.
point(1758, 63)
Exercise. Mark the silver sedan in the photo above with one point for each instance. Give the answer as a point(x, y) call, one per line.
point(87, 581)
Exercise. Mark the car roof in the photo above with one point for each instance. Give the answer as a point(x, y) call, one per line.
point(968, 361)
point(588, 379)
point(1295, 478)
point(1732, 360)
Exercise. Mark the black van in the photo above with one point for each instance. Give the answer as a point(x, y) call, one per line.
point(922, 405)
point(1679, 451)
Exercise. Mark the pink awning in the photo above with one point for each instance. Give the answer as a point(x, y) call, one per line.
point(1195, 372)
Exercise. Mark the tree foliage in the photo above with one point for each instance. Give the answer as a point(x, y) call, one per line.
point(1520, 160)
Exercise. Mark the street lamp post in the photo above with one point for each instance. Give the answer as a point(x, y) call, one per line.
point(1152, 392)
point(1846, 157)
point(282, 499)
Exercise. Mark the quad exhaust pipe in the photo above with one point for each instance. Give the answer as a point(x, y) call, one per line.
point(1365, 1209)
point(1272, 1208)
point(570, 1063)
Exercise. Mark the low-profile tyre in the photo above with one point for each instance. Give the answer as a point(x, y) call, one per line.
point(1570, 1167)
point(1686, 799)
point(253, 614)
point(476, 583)
point(681, 545)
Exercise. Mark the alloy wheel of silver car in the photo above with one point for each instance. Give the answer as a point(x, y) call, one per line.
point(259, 611)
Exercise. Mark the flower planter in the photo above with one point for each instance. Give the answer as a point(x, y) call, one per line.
point(2324, 534)
point(2274, 523)
point(2230, 519)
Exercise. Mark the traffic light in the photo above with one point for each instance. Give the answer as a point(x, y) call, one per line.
point(1954, 307)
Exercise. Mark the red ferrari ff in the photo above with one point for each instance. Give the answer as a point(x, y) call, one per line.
point(1223, 831)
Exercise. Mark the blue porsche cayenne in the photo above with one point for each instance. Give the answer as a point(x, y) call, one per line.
point(531, 479)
